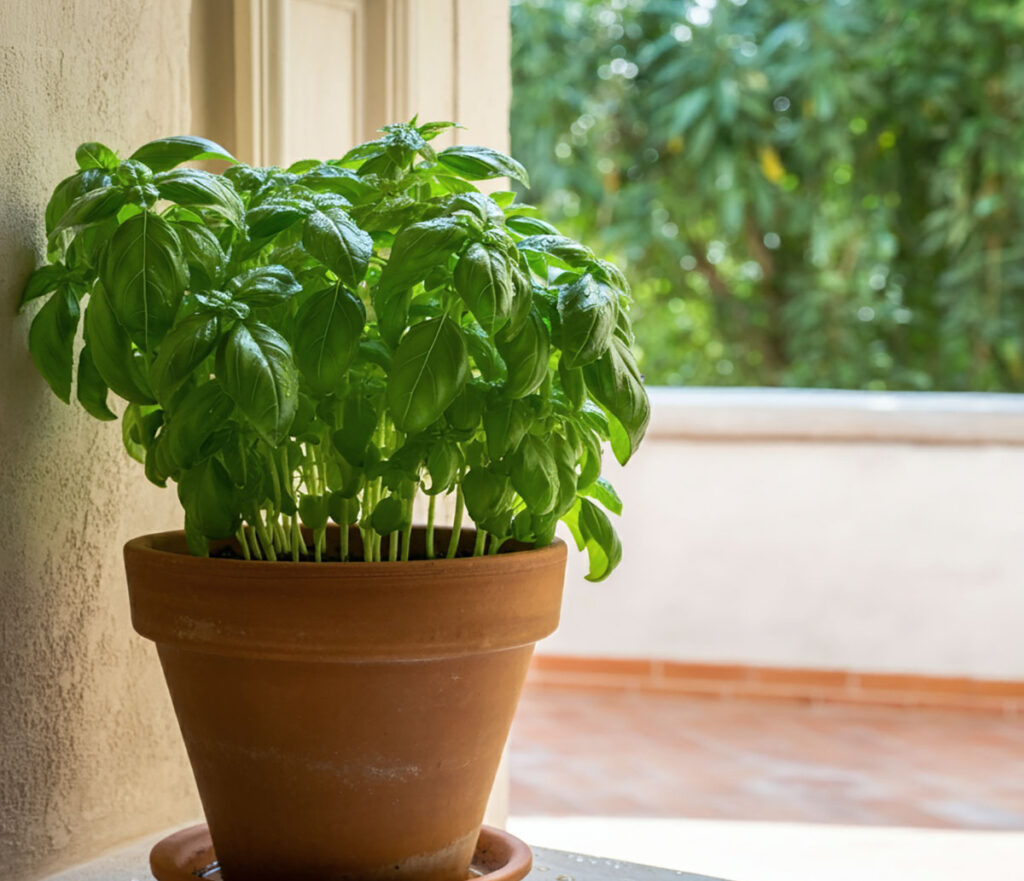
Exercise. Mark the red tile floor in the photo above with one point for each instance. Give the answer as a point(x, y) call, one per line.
point(609, 753)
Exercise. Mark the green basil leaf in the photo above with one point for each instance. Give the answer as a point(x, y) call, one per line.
point(275, 215)
point(344, 510)
point(166, 153)
point(603, 546)
point(605, 493)
point(42, 281)
point(430, 130)
point(69, 190)
point(91, 390)
point(208, 496)
point(430, 368)
point(389, 515)
point(358, 422)
point(443, 463)
point(203, 255)
point(139, 426)
point(530, 226)
point(313, 511)
point(477, 204)
point(255, 366)
point(486, 494)
point(143, 272)
point(402, 140)
point(194, 419)
point(534, 474)
point(264, 285)
point(361, 152)
point(91, 207)
point(328, 327)
point(587, 309)
point(96, 155)
point(157, 467)
point(330, 179)
point(505, 425)
point(392, 311)
point(418, 248)
point(611, 274)
point(590, 466)
point(466, 411)
point(131, 173)
point(522, 301)
point(302, 165)
point(192, 187)
point(375, 352)
point(526, 356)
point(485, 356)
point(51, 339)
point(246, 179)
point(122, 368)
point(343, 478)
point(483, 281)
point(453, 184)
point(570, 252)
point(573, 385)
point(482, 163)
point(615, 382)
point(332, 237)
point(567, 489)
point(185, 347)
point(571, 518)
point(387, 213)
point(220, 303)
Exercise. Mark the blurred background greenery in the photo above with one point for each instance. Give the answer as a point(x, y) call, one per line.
point(802, 192)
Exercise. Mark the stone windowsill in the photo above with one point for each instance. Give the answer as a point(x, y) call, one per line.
point(131, 864)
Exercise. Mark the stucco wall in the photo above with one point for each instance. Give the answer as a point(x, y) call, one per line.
point(89, 751)
point(851, 531)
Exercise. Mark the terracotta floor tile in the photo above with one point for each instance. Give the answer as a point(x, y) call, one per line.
point(592, 752)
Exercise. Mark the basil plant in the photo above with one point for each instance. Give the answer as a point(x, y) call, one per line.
point(327, 341)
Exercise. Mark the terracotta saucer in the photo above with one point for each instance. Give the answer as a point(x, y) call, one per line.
point(188, 855)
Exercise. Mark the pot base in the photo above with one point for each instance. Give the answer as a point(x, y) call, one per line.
point(188, 855)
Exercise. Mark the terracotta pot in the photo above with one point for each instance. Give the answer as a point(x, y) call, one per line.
point(344, 720)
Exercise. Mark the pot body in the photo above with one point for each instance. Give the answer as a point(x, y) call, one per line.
point(344, 720)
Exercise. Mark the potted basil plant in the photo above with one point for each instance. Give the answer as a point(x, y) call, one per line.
point(303, 353)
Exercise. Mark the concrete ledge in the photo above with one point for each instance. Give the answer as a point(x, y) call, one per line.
point(826, 414)
point(129, 863)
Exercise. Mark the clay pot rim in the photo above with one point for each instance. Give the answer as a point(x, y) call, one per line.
point(170, 549)
point(327, 611)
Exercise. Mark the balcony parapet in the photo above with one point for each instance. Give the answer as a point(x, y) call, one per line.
point(784, 414)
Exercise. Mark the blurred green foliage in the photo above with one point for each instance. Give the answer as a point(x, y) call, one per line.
point(804, 192)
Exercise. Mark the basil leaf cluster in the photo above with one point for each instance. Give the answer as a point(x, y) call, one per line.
point(331, 340)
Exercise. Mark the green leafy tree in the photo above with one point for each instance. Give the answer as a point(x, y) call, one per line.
point(803, 192)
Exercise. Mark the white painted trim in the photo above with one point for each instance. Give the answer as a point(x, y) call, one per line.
point(441, 59)
point(261, 75)
point(260, 38)
point(821, 414)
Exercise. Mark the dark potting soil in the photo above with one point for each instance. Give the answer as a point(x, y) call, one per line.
point(331, 555)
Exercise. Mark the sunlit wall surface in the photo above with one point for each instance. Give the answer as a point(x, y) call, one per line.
point(804, 192)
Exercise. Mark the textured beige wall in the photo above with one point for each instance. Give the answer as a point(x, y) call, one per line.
point(90, 755)
point(89, 752)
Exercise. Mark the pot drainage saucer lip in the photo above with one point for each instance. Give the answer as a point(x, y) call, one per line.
point(188, 855)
